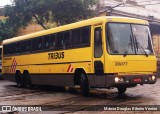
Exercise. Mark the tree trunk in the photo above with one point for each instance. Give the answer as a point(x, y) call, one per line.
point(39, 22)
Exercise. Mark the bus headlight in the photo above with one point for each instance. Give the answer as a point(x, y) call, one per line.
point(153, 77)
point(116, 79)
point(119, 79)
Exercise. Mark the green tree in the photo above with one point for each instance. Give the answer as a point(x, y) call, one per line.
point(6, 31)
point(68, 11)
point(43, 11)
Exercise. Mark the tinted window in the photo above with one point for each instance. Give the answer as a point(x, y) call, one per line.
point(76, 37)
point(59, 40)
point(67, 39)
point(18, 47)
point(85, 34)
point(23, 46)
point(46, 42)
point(37, 44)
point(28, 45)
point(5, 49)
point(52, 42)
point(12, 48)
point(73, 38)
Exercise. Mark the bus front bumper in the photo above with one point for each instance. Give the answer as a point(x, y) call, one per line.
point(130, 80)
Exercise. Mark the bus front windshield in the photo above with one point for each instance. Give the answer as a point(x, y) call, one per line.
point(125, 39)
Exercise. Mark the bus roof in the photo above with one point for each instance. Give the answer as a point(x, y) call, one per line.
point(92, 21)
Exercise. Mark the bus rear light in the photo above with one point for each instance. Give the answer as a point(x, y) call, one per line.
point(137, 79)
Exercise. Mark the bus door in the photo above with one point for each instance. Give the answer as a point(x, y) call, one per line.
point(98, 57)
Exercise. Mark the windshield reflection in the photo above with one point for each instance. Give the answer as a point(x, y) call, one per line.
point(128, 39)
point(142, 37)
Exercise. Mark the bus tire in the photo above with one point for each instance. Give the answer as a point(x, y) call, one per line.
point(18, 78)
point(27, 80)
point(121, 89)
point(84, 85)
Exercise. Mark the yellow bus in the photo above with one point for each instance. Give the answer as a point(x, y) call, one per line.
point(99, 52)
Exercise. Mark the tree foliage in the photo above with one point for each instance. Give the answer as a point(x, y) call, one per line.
point(43, 11)
point(6, 31)
point(67, 11)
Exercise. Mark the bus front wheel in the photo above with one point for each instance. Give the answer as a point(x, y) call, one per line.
point(84, 85)
point(121, 89)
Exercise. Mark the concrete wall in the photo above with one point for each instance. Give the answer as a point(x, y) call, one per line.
point(156, 45)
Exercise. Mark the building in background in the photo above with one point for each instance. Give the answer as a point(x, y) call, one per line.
point(142, 9)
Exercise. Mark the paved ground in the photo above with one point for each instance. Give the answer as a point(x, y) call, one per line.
point(63, 101)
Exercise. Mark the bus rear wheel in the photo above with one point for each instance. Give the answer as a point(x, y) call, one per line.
point(19, 79)
point(84, 85)
point(27, 80)
point(121, 89)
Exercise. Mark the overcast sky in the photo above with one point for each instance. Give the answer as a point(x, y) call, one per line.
point(4, 2)
point(155, 4)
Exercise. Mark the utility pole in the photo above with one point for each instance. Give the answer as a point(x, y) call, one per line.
point(109, 10)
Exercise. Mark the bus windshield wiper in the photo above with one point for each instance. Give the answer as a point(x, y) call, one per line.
point(129, 44)
point(137, 44)
point(126, 52)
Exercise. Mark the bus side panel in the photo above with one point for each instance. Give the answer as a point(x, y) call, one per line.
point(53, 79)
point(45, 70)
point(10, 77)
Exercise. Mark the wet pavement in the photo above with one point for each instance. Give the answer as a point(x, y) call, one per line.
point(62, 100)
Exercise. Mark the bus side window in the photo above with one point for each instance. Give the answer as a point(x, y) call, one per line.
point(52, 42)
point(98, 42)
point(39, 43)
point(67, 39)
point(85, 33)
point(6, 49)
point(23, 46)
point(34, 44)
point(28, 45)
point(11, 48)
point(46, 42)
point(76, 38)
point(18, 47)
point(59, 41)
